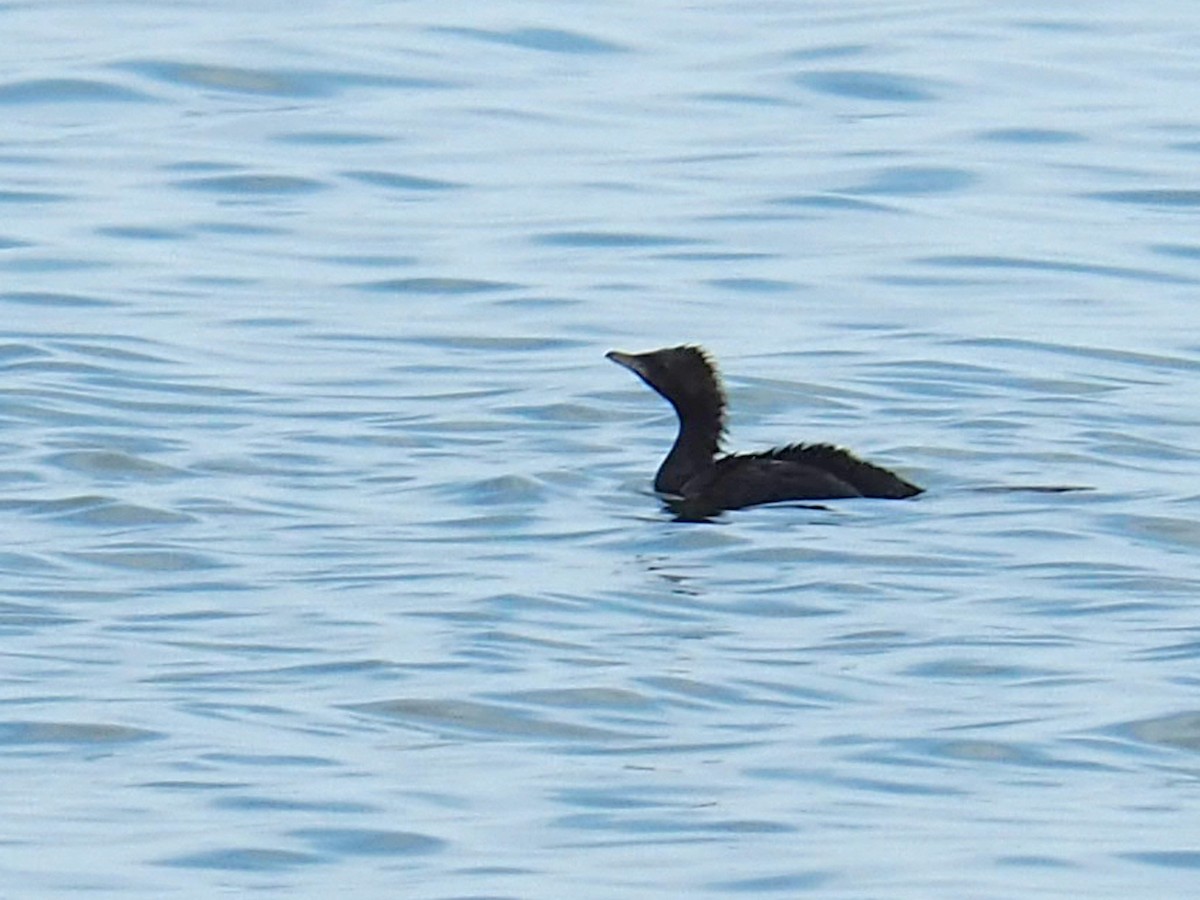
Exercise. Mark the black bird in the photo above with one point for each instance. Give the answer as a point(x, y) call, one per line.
point(701, 481)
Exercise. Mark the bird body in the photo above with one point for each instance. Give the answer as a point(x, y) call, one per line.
point(700, 480)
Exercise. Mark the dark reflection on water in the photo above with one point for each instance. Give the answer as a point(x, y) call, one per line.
point(331, 556)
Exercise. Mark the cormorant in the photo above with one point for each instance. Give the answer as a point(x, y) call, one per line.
point(701, 481)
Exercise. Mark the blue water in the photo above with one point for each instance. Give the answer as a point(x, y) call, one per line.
point(330, 562)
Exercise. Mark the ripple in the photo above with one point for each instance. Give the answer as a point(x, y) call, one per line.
point(1180, 251)
point(15, 197)
point(551, 40)
point(1004, 753)
point(504, 344)
point(835, 202)
point(1188, 650)
point(17, 618)
point(142, 233)
point(973, 670)
point(483, 719)
point(754, 285)
point(243, 859)
point(156, 558)
point(48, 299)
point(111, 464)
point(683, 825)
point(292, 83)
point(909, 180)
point(331, 138)
point(105, 511)
point(20, 353)
point(369, 842)
point(590, 698)
point(863, 85)
point(280, 804)
point(68, 90)
point(23, 564)
point(1178, 731)
point(609, 240)
point(830, 51)
point(738, 99)
point(1170, 531)
point(252, 184)
point(1165, 198)
point(1167, 859)
point(715, 256)
point(449, 286)
point(396, 181)
point(71, 733)
point(788, 884)
point(503, 490)
point(1135, 360)
point(1030, 136)
point(966, 261)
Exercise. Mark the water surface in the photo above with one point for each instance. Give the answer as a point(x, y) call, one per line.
point(330, 557)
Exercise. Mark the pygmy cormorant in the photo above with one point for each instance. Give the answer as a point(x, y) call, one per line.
point(701, 481)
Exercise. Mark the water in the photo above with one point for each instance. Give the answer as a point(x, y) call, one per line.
point(330, 562)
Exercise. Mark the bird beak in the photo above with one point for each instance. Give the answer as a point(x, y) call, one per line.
point(628, 360)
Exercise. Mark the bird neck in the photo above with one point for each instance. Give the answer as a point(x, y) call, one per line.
point(693, 452)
